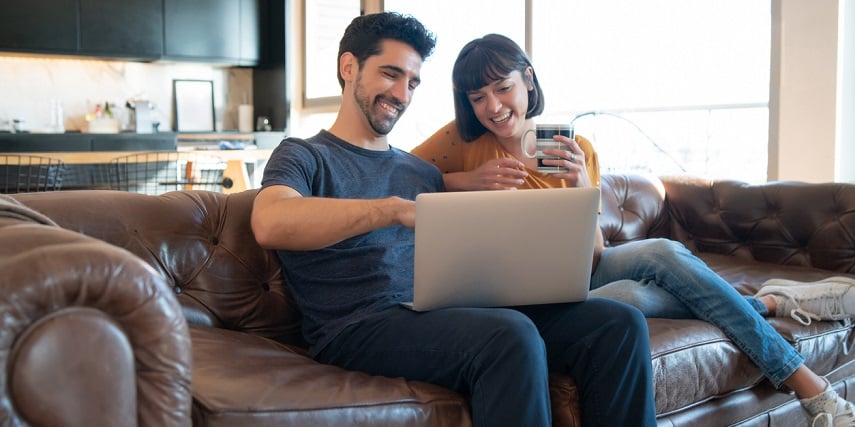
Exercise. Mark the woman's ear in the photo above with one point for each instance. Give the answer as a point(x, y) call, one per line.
point(529, 78)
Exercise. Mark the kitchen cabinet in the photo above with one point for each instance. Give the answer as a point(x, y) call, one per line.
point(222, 31)
point(127, 28)
point(211, 30)
point(250, 32)
point(39, 26)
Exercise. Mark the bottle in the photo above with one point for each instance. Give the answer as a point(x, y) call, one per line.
point(60, 118)
point(57, 122)
point(107, 113)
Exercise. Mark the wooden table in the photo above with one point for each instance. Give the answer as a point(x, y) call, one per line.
point(236, 161)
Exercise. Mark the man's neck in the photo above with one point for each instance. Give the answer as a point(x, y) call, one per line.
point(359, 134)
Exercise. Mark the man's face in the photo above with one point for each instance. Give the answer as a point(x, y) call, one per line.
point(385, 84)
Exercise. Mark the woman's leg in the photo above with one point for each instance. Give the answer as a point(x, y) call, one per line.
point(669, 265)
point(654, 301)
point(645, 295)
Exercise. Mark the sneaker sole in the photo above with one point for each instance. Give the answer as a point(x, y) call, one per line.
point(784, 282)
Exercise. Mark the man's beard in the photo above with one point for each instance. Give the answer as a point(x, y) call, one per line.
point(378, 122)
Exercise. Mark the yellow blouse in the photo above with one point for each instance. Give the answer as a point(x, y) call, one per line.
point(450, 153)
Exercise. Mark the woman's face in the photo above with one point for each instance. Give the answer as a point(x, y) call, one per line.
point(501, 105)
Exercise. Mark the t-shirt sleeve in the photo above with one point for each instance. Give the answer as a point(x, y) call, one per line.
point(291, 164)
point(443, 149)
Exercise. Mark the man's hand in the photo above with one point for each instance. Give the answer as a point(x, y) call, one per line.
point(284, 219)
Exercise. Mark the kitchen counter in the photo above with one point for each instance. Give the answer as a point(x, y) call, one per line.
point(86, 142)
point(86, 155)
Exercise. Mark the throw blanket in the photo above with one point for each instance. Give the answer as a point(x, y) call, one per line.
point(11, 208)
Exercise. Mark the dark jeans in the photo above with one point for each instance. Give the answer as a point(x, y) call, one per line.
point(501, 358)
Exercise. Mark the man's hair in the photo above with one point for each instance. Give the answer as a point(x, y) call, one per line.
point(482, 62)
point(363, 36)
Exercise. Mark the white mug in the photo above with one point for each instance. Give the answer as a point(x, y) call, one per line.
point(543, 134)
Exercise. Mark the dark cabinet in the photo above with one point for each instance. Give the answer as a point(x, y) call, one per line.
point(127, 28)
point(215, 30)
point(39, 26)
point(224, 31)
point(250, 32)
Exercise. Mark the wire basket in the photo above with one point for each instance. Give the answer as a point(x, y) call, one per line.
point(27, 174)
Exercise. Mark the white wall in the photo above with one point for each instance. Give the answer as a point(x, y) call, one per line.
point(807, 101)
point(845, 168)
point(28, 83)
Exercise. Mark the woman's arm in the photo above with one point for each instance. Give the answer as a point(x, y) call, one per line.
point(496, 174)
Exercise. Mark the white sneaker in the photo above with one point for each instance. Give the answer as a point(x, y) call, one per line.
point(828, 409)
point(804, 301)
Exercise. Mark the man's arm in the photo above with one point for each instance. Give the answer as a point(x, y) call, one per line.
point(284, 219)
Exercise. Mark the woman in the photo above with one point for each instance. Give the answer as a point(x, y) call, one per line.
point(496, 97)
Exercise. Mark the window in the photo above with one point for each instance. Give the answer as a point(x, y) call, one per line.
point(685, 84)
point(324, 22)
point(671, 85)
point(433, 102)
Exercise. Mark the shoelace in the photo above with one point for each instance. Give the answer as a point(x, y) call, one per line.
point(803, 316)
point(829, 419)
point(822, 416)
point(849, 410)
point(835, 305)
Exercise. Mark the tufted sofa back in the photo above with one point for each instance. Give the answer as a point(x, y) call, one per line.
point(782, 222)
point(633, 208)
point(200, 242)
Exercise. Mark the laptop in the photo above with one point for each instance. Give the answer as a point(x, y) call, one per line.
point(503, 248)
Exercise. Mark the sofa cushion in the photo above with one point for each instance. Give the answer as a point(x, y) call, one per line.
point(241, 379)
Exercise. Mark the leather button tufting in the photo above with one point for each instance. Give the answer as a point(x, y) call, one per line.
point(266, 287)
point(177, 289)
point(215, 240)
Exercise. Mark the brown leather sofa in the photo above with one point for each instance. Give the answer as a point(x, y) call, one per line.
point(248, 359)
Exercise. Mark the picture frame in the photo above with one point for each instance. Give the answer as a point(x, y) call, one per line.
point(193, 105)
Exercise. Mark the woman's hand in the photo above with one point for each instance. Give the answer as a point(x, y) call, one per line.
point(572, 158)
point(495, 174)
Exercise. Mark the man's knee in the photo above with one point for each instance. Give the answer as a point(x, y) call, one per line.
point(621, 316)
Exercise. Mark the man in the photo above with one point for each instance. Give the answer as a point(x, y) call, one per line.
point(338, 208)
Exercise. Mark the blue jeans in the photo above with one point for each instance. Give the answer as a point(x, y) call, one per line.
point(501, 358)
point(664, 279)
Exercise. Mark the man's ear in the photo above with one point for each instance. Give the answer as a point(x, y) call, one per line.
point(348, 66)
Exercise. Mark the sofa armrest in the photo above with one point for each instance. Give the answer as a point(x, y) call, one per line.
point(90, 334)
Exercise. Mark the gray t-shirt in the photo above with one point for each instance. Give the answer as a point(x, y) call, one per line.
point(343, 283)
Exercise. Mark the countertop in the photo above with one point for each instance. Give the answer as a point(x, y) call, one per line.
point(125, 141)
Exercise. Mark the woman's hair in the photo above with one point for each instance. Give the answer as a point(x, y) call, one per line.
point(363, 36)
point(482, 62)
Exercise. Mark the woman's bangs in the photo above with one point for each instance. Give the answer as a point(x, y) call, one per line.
point(481, 68)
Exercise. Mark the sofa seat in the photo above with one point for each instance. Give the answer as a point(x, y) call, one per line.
point(242, 380)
